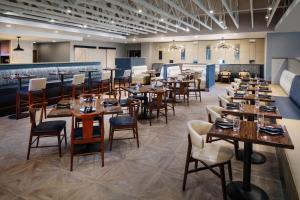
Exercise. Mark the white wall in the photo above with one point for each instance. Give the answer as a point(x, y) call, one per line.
point(25, 56)
point(147, 53)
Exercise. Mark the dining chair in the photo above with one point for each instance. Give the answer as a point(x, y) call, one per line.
point(171, 99)
point(158, 103)
point(126, 122)
point(210, 155)
point(196, 89)
point(224, 100)
point(244, 75)
point(76, 87)
point(225, 76)
point(34, 93)
point(183, 90)
point(44, 129)
point(230, 91)
point(87, 138)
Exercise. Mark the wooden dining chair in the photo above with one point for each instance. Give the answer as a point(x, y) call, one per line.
point(126, 122)
point(196, 89)
point(182, 90)
point(88, 138)
point(74, 88)
point(210, 155)
point(44, 129)
point(158, 103)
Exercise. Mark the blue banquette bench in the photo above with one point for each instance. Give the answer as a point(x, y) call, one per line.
point(9, 87)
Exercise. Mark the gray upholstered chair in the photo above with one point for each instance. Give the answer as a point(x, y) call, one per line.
point(210, 155)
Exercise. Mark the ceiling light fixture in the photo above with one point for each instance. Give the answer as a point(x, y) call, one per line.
point(84, 26)
point(55, 31)
point(52, 20)
point(133, 39)
point(53, 40)
point(140, 10)
point(18, 47)
point(270, 8)
point(211, 12)
point(161, 19)
point(68, 10)
point(88, 36)
point(175, 47)
point(187, 30)
point(267, 16)
point(8, 25)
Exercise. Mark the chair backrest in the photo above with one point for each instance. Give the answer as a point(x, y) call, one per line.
point(182, 87)
point(33, 109)
point(173, 71)
point(286, 80)
point(225, 73)
point(213, 112)
point(223, 100)
point(160, 98)
point(197, 129)
point(139, 70)
point(237, 80)
point(230, 91)
point(127, 73)
point(88, 127)
point(78, 79)
point(244, 74)
point(198, 83)
point(134, 106)
point(36, 84)
point(105, 75)
point(234, 85)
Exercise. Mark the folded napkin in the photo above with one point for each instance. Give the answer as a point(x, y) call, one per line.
point(272, 130)
point(268, 108)
point(264, 96)
point(263, 88)
point(232, 105)
point(239, 95)
point(224, 123)
point(87, 109)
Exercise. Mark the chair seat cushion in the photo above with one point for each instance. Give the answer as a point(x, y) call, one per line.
point(212, 153)
point(121, 121)
point(123, 102)
point(78, 133)
point(50, 126)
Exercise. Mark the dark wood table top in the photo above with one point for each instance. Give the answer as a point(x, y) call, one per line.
point(251, 110)
point(253, 89)
point(88, 70)
point(19, 77)
point(248, 133)
point(178, 81)
point(144, 89)
point(254, 83)
point(111, 69)
point(67, 112)
point(60, 73)
point(252, 97)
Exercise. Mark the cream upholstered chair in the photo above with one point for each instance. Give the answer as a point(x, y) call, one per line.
point(105, 75)
point(37, 84)
point(214, 112)
point(235, 85)
point(230, 91)
point(224, 100)
point(237, 80)
point(173, 71)
point(244, 75)
point(211, 155)
point(139, 75)
point(225, 75)
point(78, 84)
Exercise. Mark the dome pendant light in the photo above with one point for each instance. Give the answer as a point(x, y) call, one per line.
point(18, 47)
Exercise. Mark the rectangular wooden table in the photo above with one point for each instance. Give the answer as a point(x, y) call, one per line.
point(252, 98)
point(249, 135)
point(251, 110)
point(67, 112)
point(253, 89)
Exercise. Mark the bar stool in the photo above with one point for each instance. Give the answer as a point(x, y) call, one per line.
point(36, 93)
point(76, 84)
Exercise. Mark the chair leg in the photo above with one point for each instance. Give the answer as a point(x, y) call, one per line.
point(200, 95)
point(222, 173)
point(59, 145)
point(65, 133)
point(150, 116)
point(102, 153)
point(111, 138)
point(230, 171)
point(29, 146)
point(137, 137)
point(71, 160)
point(37, 141)
point(18, 105)
point(166, 114)
point(187, 162)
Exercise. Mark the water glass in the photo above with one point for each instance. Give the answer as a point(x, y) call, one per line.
point(241, 107)
point(236, 124)
point(260, 120)
point(257, 103)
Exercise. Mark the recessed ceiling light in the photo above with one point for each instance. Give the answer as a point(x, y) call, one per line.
point(134, 39)
point(140, 10)
point(270, 8)
point(161, 19)
point(195, 36)
point(187, 30)
point(68, 10)
point(88, 36)
point(84, 26)
point(52, 20)
point(225, 27)
point(53, 40)
point(55, 31)
point(33, 42)
point(267, 16)
point(111, 38)
point(221, 22)
point(8, 25)
point(162, 38)
point(211, 12)
point(112, 21)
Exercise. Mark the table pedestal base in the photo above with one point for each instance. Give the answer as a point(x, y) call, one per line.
point(21, 116)
point(256, 158)
point(236, 191)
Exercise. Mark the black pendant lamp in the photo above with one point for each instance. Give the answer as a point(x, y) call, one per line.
point(18, 47)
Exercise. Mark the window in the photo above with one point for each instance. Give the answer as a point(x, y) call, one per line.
point(208, 53)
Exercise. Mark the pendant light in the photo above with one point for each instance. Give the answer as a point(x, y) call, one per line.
point(18, 47)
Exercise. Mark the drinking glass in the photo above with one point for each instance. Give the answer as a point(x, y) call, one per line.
point(236, 123)
point(260, 120)
point(241, 107)
point(257, 103)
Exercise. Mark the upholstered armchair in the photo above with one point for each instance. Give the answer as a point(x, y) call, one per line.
point(211, 155)
point(213, 112)
point(139, 74)
point(224, 100)
point(244, 75)
point(173, 71)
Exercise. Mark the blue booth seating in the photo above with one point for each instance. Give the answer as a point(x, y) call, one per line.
point(8, 87)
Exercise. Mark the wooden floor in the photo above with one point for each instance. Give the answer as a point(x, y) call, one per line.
point(154, 171)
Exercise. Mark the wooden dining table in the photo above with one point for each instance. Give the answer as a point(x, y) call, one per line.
point(244, 190)
point(252, 98)
point(254, 89)
point(65, 107)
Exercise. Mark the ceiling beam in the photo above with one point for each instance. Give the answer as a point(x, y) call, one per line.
point(274, 8)
point(230, 12)
point(251, 11)
point(202, 7)
point(155, 9)
point(186, 13)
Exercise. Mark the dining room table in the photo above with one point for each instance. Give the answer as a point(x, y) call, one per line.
point(61, 75)
point(112, 70)
point(65, 107)
point(250, 134)
point(252, 89)
point(252, 98)
point(89, 72)
point(250, 112)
